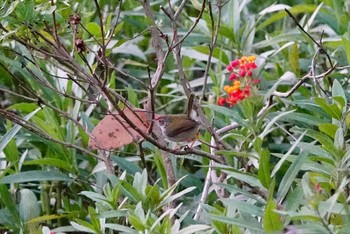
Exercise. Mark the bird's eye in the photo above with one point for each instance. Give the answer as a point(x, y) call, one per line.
point(161, 122)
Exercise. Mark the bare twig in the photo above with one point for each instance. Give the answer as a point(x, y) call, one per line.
point(214, 37)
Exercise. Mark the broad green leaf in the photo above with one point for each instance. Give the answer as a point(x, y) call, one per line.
point(29, 176)
point(132, 96)
point(339, 141)
point(294, 58)
point(264, 168)
point(131, 192)
point(55, 162)
point(94, 29)
point(338, 91)
point(258, 144)
point(124, 164)
point(326, 141)
point(331, 109)
point(161, 168)
point(95, 196)
point(294, 199)
point(272, 221)
point(29, 207)
point(83, 226)
point(227, 32)
point(243, 206)
point(136, 222)
point(119, 27)
point(140, 182)
point(328, 128)
point(152, 195)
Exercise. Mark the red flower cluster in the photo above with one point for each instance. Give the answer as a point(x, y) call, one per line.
point(241, 69)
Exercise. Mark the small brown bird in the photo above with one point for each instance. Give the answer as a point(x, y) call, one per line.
point(181, 127)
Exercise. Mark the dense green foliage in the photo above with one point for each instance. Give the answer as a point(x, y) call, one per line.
point(286, 167)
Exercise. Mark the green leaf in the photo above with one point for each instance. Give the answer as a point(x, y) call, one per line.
point(120, 228)
point(171, 198)
point(227, 32)
point(140, 182)
point(286, 155)
point(119, 27)
point(326, 141)
point(131, 192)
point(271, 123)
point(238, 222)
point(338, 91)
point(132, 96)
point(243, 206)
point(136, 222)
point(55, 162)
point(258, 144)
point(124, 164)
point(217, 53)
point(339, 141)
point(230, 113)
point(11, 133)
point(264, 168)
point(346, 45)
point(331, 109)
point(113, 214)
point(95, 196)
point(83, 226)
point(161, 169)
point(302, 8)
point(294, 58)
point(328, 128)
point(245, 177)
point(11, 209)
point(29, 176)
point(29, 207)
point(10, 8)
point(94, 29)
point(272, 221)
point(290, 175)
point(195, 228)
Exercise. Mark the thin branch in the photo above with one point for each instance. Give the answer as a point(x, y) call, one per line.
point(192, 27)
point(215, 34)
point(18, 95)
point(180, 9)
point(55, 24)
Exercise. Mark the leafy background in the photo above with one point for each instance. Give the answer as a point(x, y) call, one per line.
point(287, 171)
